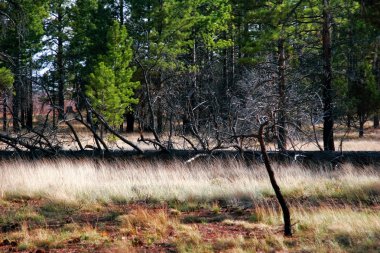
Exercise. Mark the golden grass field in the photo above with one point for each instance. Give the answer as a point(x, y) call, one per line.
point(93, 206)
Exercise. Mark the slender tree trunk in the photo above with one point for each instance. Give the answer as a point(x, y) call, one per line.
point(54, 98)
point(361, 124)
point(121, 22)
point(23, 100)
point(348, 122)
point(328, 118)
point(225, 84)
point(233, 60)
point(4, 111)
point(170, 141)
point(376, 121)
point(60, 66)
point(276, 188)
point(16, 99)
point(29, 105)
point(225, 74)
point(159, 84)
point(101, 131)
point(376, 71)
point(281, 141)
point(22, 109)
point(121, 12)
point(130, 122)
point(194, 97)
point(160, 114)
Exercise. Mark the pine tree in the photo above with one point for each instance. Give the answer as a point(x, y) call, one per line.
point(57, 27)
point(6, 78)
point(110, 88)
point(6, 81)
point(89, 21)
point(22, 41)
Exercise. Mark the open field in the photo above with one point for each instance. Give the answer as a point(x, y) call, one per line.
point(88, 206)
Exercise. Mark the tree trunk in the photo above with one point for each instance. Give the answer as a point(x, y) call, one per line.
point(159, 82)
point(348, 122)
point(121, 12)
point(16, 105)
point(160, 116)
point(60, 66)
point(54, 98)
point(328, 118)
point(376, 121)
point(361, 125)
point(23, 101)
point(225, 84)
point(376, 71)
point(4, 111)
point(130, 122)
point(16, 100)
point(281, 126)
point(194, 97)
point(276, 188)
point(29, 105)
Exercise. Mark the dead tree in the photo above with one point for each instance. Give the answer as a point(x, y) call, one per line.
point(276, 188)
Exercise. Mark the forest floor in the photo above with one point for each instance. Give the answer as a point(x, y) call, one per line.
point(344, 140)
point(87, 206)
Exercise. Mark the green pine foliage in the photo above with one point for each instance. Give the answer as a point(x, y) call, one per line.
point(110, 88)
point(6, 78)
point(192, 48)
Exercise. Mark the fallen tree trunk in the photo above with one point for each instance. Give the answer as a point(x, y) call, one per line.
point(306, 158)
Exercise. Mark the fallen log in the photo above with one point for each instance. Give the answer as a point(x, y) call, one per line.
point(307, 158)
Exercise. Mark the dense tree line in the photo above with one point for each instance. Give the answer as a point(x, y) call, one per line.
point(208, 72)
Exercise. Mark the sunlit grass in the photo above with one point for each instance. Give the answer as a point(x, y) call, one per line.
point(120, 182)
point(332, 211)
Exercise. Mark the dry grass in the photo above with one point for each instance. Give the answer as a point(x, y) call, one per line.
point(98, 207)
point(49, 238)
point(325, 229)
point(154, 225)
point(88, 181)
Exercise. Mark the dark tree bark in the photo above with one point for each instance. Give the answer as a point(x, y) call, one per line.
point(16, 106)
point(4, 111)
point(376, 121)
point(160, 117)
point(348, 122)
point(29, 108)
point(60, 65)
point(361, 124)
point(29, 104)
point(281, 127)
point(328, 118)
point(376, 72)
point(276, 188)
point(22, 108)
point(76, 137)
point(121, 12)
point(130, 122)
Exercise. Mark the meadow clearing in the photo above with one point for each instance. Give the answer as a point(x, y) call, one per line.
point(211, 206)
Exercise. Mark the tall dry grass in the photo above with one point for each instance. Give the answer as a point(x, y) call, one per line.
point(86, 180)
